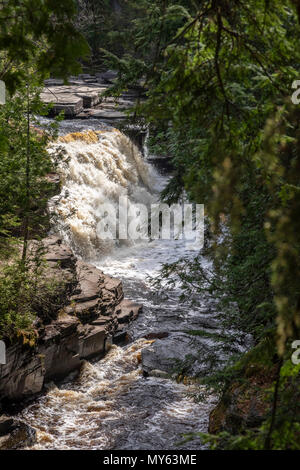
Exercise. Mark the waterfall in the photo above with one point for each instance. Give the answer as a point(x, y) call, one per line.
point(110, 405)
point(97, 167)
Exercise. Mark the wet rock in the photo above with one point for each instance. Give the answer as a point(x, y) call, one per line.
point(137, 134)
point(107, 115)
point(108, 343)
point(121, 337)
point(90, 310)
point(127, 311)
point(82, 98)
point(159, 335)
point(179, 352)
point(164, 353)
point(6, 425)
point(159, 374)
point(93, 343)
point(15, 434)
point(50, 386)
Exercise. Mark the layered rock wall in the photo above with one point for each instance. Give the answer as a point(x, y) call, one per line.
point(93, 311)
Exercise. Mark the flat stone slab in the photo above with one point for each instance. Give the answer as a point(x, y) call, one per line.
point(54, 82)
point(83, 98)
point(67, 102)
point(78, 88)
point(72, 99)
point(105, 114)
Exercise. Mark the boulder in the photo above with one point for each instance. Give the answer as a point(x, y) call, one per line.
point(15, 434)
point(127, 311)
point(69, 103)
point(179, 351)
point(164, 353)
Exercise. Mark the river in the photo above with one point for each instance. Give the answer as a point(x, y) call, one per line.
point(110, 404)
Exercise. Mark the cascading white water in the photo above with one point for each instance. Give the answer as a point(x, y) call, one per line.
point(99, 167)
point(110, 405)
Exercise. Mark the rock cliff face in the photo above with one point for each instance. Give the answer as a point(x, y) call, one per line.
point(93, 310)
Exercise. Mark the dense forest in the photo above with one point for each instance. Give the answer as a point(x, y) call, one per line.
point(217, 83)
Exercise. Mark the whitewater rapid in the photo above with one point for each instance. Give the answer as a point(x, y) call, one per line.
point(110, 405)
point(97, 167)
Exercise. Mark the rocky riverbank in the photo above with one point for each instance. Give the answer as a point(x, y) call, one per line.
point(93, 312)
point(90, 312)
point(82, 98)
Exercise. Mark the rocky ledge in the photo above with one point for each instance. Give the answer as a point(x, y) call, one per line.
point(83, 98)
point(92, 310)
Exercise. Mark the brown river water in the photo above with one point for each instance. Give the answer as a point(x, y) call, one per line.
point(110, 405)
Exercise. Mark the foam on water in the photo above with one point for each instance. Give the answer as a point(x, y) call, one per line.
point(100, 167)
point(111, 405)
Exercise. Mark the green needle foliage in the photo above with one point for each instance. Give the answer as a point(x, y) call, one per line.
point(217, 87)
point(217, 75)
point(37, 38)
point(25, 188)
point(24, 165)
point(218, 78)
point(42, 31)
